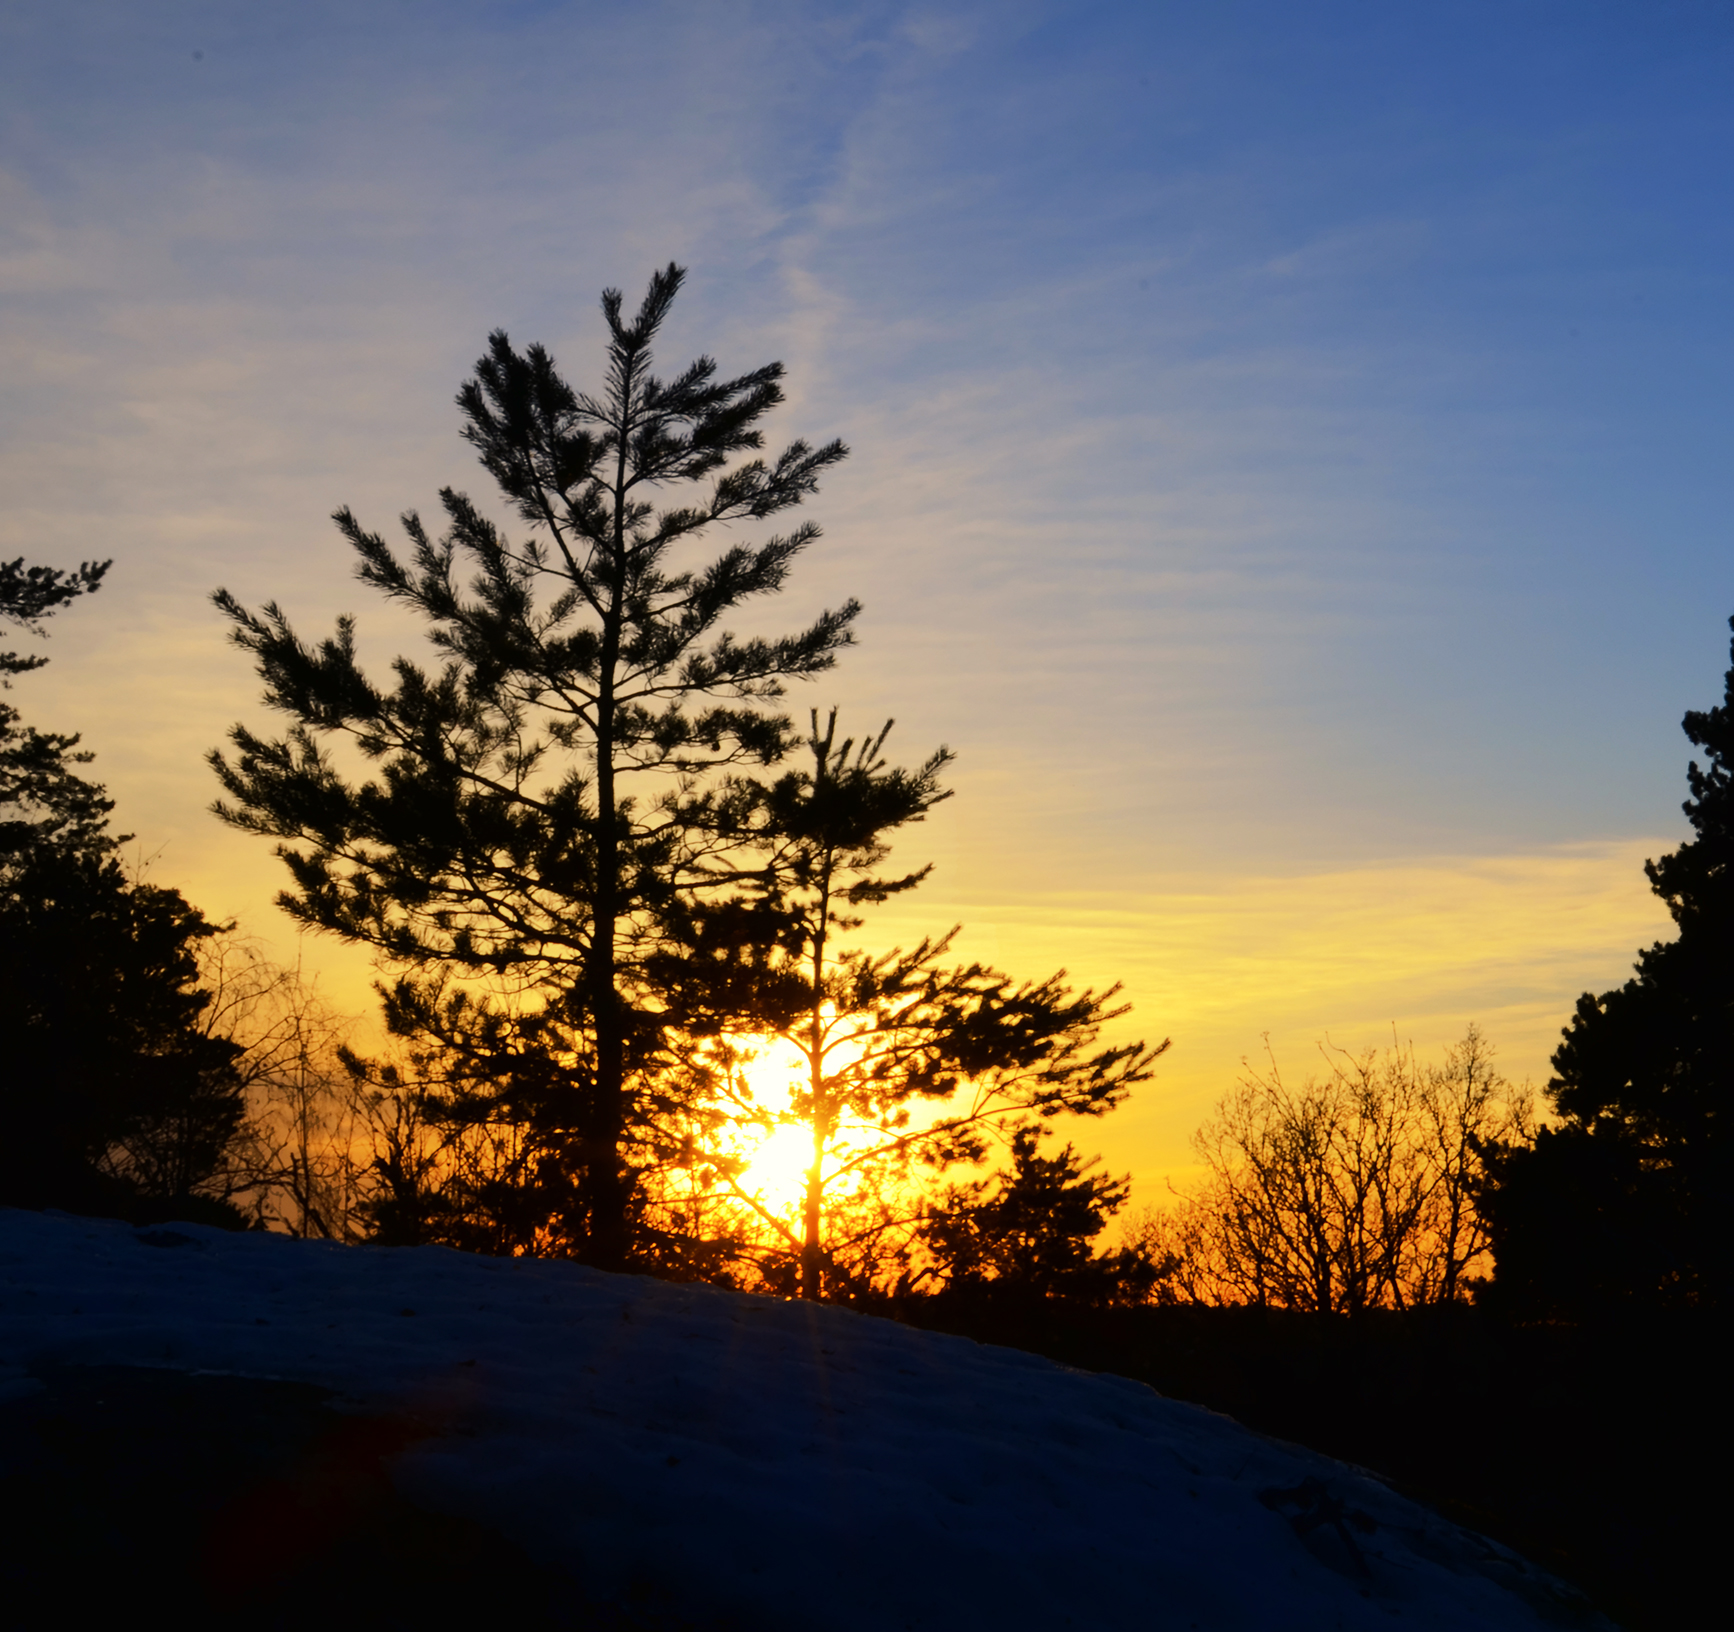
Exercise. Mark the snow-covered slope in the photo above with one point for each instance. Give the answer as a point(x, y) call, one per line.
point(770, 1464)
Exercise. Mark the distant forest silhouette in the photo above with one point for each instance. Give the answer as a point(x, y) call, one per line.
point(601, 869)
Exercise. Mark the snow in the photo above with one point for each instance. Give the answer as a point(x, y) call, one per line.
point(765, 1463)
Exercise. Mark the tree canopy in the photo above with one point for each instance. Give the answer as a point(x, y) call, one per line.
point(44, 802)
point(1030, 1230)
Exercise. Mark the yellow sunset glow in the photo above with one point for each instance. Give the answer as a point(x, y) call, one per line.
point(1425, 945)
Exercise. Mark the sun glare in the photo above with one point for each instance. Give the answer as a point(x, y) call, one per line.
point(777, 1172)
point(777, 1166)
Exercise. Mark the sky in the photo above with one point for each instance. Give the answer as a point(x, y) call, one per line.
point(1289, 443)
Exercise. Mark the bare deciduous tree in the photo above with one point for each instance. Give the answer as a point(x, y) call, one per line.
point(1355, 1190)
point(303, 1163)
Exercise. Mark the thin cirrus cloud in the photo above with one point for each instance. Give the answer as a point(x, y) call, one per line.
point(1230, 966)
point(1286, 456)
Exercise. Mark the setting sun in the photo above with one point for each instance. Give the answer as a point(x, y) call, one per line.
point(778, 1162)
point(777, 1170)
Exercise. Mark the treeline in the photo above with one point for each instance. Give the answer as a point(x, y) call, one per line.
point(606, 879)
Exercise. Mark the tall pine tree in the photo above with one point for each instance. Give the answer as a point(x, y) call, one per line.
point(1627, 1202)
point(543, 804)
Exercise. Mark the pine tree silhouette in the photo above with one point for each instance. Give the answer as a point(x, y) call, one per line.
point(1628, 1200)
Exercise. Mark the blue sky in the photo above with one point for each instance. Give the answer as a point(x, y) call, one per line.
point(1290, 441)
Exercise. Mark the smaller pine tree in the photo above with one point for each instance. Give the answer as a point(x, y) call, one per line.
point(909, 1064)
point(1030, 1231)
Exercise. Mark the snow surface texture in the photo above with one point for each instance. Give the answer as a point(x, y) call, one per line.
point(770, 1464)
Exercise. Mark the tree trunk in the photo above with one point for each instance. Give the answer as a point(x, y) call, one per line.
point(812, 1247)
point(609, 1246)
point(812, 1252)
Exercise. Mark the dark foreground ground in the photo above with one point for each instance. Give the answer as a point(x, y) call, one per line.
point(137, 1496)
point(238, 1502)
point(1603, 1456)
